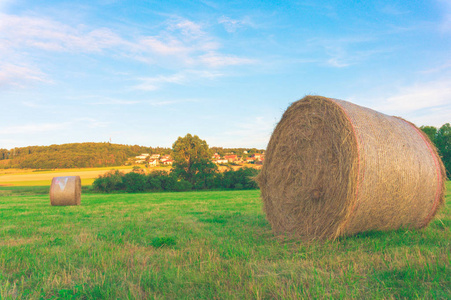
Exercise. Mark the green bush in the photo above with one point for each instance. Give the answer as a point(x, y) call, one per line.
point(137, 181)
point(239, 179)
point(111, 181)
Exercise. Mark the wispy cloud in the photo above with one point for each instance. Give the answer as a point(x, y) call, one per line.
point(232, 25)
point(217, 60)
point(188, 29)
point(182, 38)
point(445, 25)
point(100, 100)
point(180, 78)
point(46, 34)
point(20, 75)
point(419, 96)
point(167, 46)
point(113, 101)
point(171, 102)
point(425, 103)
point(181, 43)
point(443, 67)
point(345, 51)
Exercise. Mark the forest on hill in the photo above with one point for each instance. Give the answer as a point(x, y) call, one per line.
point(75, 155)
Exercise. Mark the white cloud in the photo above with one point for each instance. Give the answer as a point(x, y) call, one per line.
point(419, 96)
point(113, 101)
point(338, 62)
point(427, 103)
point(219, 60)
point(443, 67)
point(181, 43)
point(188, 29)
point(181, 78)
point(20, 75)
point(345, 51)
point(171, 46)
point(171, 102)
point(45, 34)
point(432, 117)
point(231, 25)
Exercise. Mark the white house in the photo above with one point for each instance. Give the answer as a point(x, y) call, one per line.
point(221, 161)
point(142, 156)
point(153, 163)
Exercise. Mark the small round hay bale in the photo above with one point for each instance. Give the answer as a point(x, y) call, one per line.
point(334, 168)
point(65, 190)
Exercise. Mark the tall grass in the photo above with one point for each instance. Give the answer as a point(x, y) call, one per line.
point(204, 245)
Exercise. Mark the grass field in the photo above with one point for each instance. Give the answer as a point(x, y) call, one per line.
point(203, 245)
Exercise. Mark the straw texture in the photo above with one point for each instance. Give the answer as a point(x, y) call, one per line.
point(333, 168)
point(65, 191)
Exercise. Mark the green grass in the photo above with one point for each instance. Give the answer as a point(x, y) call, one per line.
point(204, 245)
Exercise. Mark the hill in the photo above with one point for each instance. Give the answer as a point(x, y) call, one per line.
point(75, 155)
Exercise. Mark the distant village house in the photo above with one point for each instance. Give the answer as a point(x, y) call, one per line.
point(231, 157)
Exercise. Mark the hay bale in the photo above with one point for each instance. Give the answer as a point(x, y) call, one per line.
point(334, 168)
point(65, 190)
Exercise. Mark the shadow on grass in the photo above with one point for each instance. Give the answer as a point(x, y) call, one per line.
point(375, 241)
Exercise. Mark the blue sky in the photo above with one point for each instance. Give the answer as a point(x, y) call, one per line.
point(147, 72)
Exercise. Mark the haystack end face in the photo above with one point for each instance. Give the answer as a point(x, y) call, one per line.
point(334, 168)
point(65, 191)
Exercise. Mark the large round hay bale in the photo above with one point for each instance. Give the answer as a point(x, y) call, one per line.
point(65, 190)
point(334, 168)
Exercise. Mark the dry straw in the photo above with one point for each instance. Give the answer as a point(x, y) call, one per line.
point(333, 168)
point(65, 190)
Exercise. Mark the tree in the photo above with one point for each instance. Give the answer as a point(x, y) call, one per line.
point(443, 143)
point(192, 161)
point(430, 131)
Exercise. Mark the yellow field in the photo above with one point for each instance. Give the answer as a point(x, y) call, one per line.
point(29, 177)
